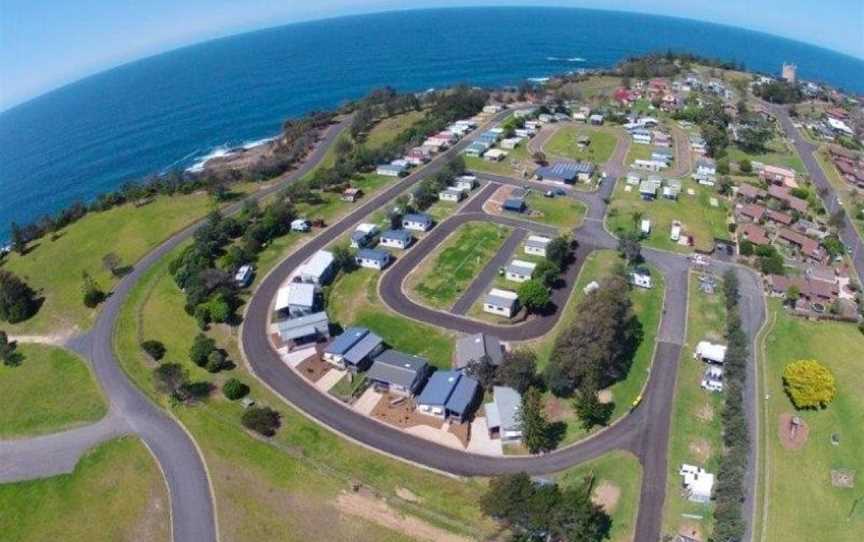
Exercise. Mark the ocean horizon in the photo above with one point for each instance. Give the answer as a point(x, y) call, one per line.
point(175, 109)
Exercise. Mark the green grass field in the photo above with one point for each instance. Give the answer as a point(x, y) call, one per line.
point(515, 164)
point(564, 143)
point(286, 488)
point(358, 304)
point(697, 216)
point(648, 307)
point(115, 493)
point(805, 473)
point(388, 129)
point(446, 273)
point(73, 396)
point(54, 268)
point(638, 151)
point(565, 213)
point(696, 425)
point(617, 476)
point(778, 153)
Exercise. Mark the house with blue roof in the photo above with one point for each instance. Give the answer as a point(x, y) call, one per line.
point(396, 239)
point(372, 258)
point(353, 349)
point(417, 222)
point(449, 395)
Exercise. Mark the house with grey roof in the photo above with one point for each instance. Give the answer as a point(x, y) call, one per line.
point(502, 414)
point(520, 270)
point(476, 347)
point(501, 302)
point(417, 222)
point(295, 299)
point(398, 373)
point(449, 395)
point(318, 269)
point(353, 349)
point(372, 258)
point(304, 330)
point(536, 245)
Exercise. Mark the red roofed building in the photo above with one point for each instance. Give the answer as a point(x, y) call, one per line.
point(753, 233)
point(808, 247)
point(778, 175)
point(782, 193)
point(778, 218)
point(750, 192)
point(752, 211)
point(624, 96)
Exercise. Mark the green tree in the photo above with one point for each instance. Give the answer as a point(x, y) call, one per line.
point(343, 258)
point(558, 251)
point(745, 166)
point(111, 262)
point(154, 349)
point(534, 296)
point(483, 371)
point(745, 247)
point(234, 389)
point(8, 353)
point(533, 423)
point(169, 378)
point(93, 295)
point(216, 361)
point(546, 272)
point(17, 299)
point(18, 239)
point(262, 420)
point(809, 384)
point(201, 348)
point(518, 370)
point(588, 406)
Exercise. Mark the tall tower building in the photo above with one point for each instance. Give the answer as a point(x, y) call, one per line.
point(790, 72)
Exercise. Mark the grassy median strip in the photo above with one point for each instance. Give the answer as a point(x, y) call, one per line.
point(51, 390)
point(804, 470)
point(445, 274)
point(695, 433)
point(115, 493)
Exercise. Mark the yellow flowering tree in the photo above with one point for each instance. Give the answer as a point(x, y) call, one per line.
point(809, 384)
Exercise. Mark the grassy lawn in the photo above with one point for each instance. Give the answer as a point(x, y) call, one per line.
point(54, 268)
point(648, 306)
point(563, 212)
point(778, 153)
point(445, 274)
point(387, 130)
point(358, 304)
point(618, 477)
point(696, 425)
point(74, 397)
point(806, 472)
point(516, 164)
point(638, 151)
point(115, 493)
point(697, 216)
point(564, 143)
point(288, 487)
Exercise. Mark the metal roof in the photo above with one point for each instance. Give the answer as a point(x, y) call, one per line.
point(439, 388)
point(363, 348)
point(473, 347)
point(398, 368)
point(463, 395)
point(374, 255)
point(318, 264)
point(507, 402)
point(566, 170)
point(421, 218)
point(303, 326)
point(299, 294)
point(398, 235)
point(346, 340)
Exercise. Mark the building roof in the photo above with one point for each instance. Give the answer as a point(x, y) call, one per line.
point(363, 348)
point(751, 210)
point(303, 326)
point(373, 255)
point(421, 218)
point(808, 246)
point(501, 298)
point(346, 340)
point(300, 294)
point(711, 351)
point(397, 235)
point(398, 368)
point(474, 347)
point(565, 170)
point(521, 267)
point(754, 233)
point(463, 395)
point(439, 388)
point(503, 411)
point(537, 241)
point(777, 216)
point(318, 264)
point(516, 204)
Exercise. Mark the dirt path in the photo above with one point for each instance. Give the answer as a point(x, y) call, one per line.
point(378, 511)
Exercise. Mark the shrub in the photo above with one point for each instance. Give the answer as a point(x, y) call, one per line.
point(195, 390)
point(202, 346)
point(154, 349)
point(262, 420)
point(216, 361)
point(17, 299)
point(233, 389)
point(93, 295)
point(809, 384)
point(169, 378)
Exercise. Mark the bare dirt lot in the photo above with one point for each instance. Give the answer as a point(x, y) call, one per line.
point(314, 368)
point(792, 437)
point(403, 413)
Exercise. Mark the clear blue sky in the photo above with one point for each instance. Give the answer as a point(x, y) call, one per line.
point(47, 43)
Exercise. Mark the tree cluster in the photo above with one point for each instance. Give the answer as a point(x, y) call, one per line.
point(518, 370)
point(597, 348)
point(546, 512)
point(729, 490)
point(779, 92)
point(426, 192)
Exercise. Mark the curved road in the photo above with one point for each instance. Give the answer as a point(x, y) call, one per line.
point(192, 513)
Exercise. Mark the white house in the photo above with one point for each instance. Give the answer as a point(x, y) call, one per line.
point(417, 222)
point(645, 226)
point(318, 269)
point(391, 170)
point(451, 194)
point(675, 231)
point(465, 183)
point(643, 137)
point(520, 270)
point(501, 302)
point(706, 167)
point(710, 352)
point(372, 259)
point(633, 178)
point(364, 235)
point(494, 155)
point(400, 239)
point(698, 483)
point(536, 245)
point(511, 143)
point(640, 278)
point(502, 417)
point(649, 165)
point(295, 299)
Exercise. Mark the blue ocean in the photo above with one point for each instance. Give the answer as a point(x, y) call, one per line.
point(174, 109)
